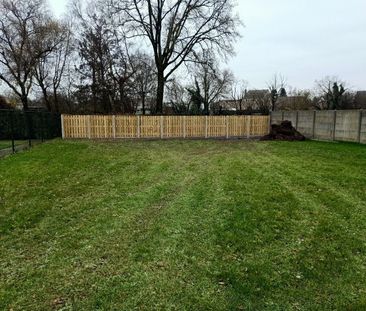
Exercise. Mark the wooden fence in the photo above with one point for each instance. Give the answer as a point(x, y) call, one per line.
point(163, 127)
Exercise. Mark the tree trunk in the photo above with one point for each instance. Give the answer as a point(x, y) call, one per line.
point(24, 100)
point(55, 99)
point(143, 103)
point(160, 92)
point(206, 109)
point(93, 89)
point(45, 96)
point(122, 97)
point(28, 120)
point(273, 105)
point(47, 102)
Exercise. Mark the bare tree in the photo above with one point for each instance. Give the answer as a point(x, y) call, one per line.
point(124, 68)
point(210, 82)
point(178, 97)
point(95, 54)
point(277, 88)
point(177, 28)
point(144, 80)
point(333, 94)
point(25, 36)
point(261, 100)
point(238, 92)
point(107, 63)
point(50, 68)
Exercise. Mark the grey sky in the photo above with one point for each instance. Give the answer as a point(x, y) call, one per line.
point(304, 40)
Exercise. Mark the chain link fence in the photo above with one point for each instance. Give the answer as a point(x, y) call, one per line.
point(20, 130)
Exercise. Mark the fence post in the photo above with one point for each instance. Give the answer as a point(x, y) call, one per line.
point(359, 126)
point(89, 126)
point(12, 131)
point(105, 123)
point(42, 126)
point(314, 121)
point(114, 126)
point(297, 119)
point(227, 127)
point(138, 127)
point(62, 126)
point(249, 126)
point(29, 126)
point(206, 127)
point(270, 117)
point(270, 120)
point(184, 127)
point(161, 127)
point(334, 124)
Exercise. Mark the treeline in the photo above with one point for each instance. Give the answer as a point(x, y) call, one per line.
point(146, 56)
point(115, 56)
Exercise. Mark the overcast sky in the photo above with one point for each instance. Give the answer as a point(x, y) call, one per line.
point(304, 40)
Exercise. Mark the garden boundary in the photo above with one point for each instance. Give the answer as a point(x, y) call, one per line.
point(163, 127)
point(333, 125)
point(20, 129)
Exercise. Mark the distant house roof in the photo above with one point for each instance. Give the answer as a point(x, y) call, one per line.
point(289, 99)
point(255, 93)
point(37, 105)
point(227, 104)
point(293, 103)
point(257, 99)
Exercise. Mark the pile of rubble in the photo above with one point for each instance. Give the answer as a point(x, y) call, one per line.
point(284, 131)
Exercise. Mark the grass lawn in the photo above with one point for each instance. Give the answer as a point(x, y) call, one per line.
point(184, 225)
point(4, 144)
